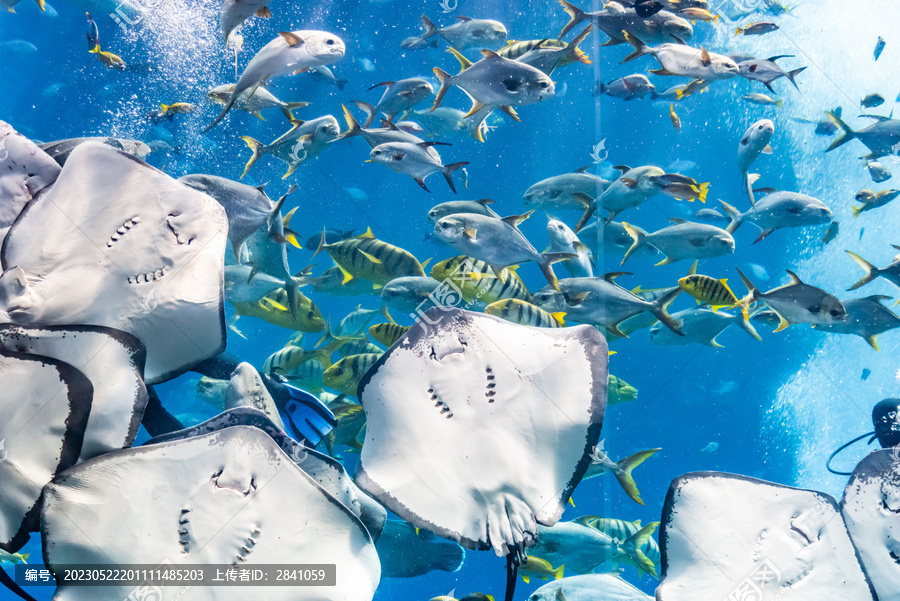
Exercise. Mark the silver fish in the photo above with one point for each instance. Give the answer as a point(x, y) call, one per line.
point(399, 96)
point(305, 140)
point(573, 191)
point(628, 87)
point(414, 160)
point(632, 189)
point(767, 71)
point(682, 240)
point(466, 33)
point(453, 207)
point(881, 138)
point(866, 317)
point(407, 293)
point(563, 240)
point(679, 59)
point(617, 21)
point(260, 100)
point(777, 210)
point(700, 326)
point(795, 302)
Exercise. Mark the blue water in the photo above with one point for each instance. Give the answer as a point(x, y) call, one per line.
point(775, 410)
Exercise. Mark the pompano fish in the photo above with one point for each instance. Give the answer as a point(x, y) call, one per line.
point(407, 293)
point(259, 100)
point(866, 317)
point(628, 87)
point(235, 12)
point(767, 71)
point(524, 313)
point(891, 273)
point(290, 52)
point(564, 240)
point(329, 235)
point(878, 172)
point(240, 288)
point(497, 242)
point(399, 96)
point(680, 59)
point(573, 191)
point(466, 33)
point(445, 122)
point(881, 138)
point(415, 161)
point(682, 240)
point(618, 21)
point(590, 587)
point(614, 238)
point(779, 209)
point(479, 207)
point(795, 302)
point(323, 73)
point(495, 81)
point(582, 548)
point(305, 140)
point(755, 142)
point(872, 200)
point(632, 189)
point(709, 216)
point(700, 326)
point(549, 55)
point(379, 135)
point(600, 301)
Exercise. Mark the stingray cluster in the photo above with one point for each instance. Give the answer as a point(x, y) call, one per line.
point(112, 280)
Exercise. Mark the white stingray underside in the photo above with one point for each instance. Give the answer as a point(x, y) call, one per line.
point(44, 407)
point(208, 499)
point(725, 535)
point(118, 243)
point(112, 360)
point(477, 428)
point(25, 171)
point(871, 508)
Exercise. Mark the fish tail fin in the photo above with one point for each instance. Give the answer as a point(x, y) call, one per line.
point(640, 48)
point(638, 235)
point(660, 309)
point(588, 213)
point(779, 103)
point(95, 49)
point(321, 246)
point(623, 474)
point(546, 263)
point(368, 109)
point(257, 148)
point(353, 128)
point(558, 572)
point(633, 544)
point(739, 31)
point(289, 107)
point(871, 271)
point(703, 191)
point(444, 78)
point(745, 324)
point(857, 211)
point(576, 16)
point(792, 74)
point(430, 28)
point(752, 293)
point(574, 51)
point(448, 172)
point(847, 134)
point(734, 215)
point(450, 557)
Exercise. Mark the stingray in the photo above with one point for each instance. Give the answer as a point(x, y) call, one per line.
point(120, 244)
point(112, 361)
point(479, 429)
point(227, 497)
point(327, 472)
point(246, 389)
point(44, 409)
point(26, 171)
point(871, 508)
point(726, 536)
point(60, 150)
point(247, 207)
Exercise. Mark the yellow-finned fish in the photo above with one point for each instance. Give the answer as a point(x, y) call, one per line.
point(13, 558)
point(112, 61)
point(177, 108)
point(368, 258)
point(284, 360)
point(709, 290)
point(602, 464)
point(345, 375)
point(676, 120)
point(695, 13)
point(387, 333)
point(477, 281)
point(524, 313)
point(350, 428)
point(535, 567)
point(619, 391)
point(275, 308)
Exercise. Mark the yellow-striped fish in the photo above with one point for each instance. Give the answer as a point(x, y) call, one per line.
point(308, 375)
point(477, 281)
point(526, 314)
point(345, 375)
point(276, 309)
point(368, 258)
point(350, 428)
point(709, 290)
point(535, 567)
point(387, 333)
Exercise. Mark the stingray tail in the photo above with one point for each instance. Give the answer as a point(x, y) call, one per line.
point(633, 545)
point(623, 474)
point(847, 134)
point(660, 308)
point(257, 148)
point(871, 271)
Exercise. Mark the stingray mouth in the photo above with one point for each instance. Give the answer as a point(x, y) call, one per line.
point(449, 349)
point(232, 486)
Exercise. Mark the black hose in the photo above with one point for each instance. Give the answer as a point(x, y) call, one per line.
point(844, 446)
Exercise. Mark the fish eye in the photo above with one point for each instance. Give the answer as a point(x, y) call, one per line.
point(543, 84)
point(330, 42)
point(377, 152)
point(835, 313)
